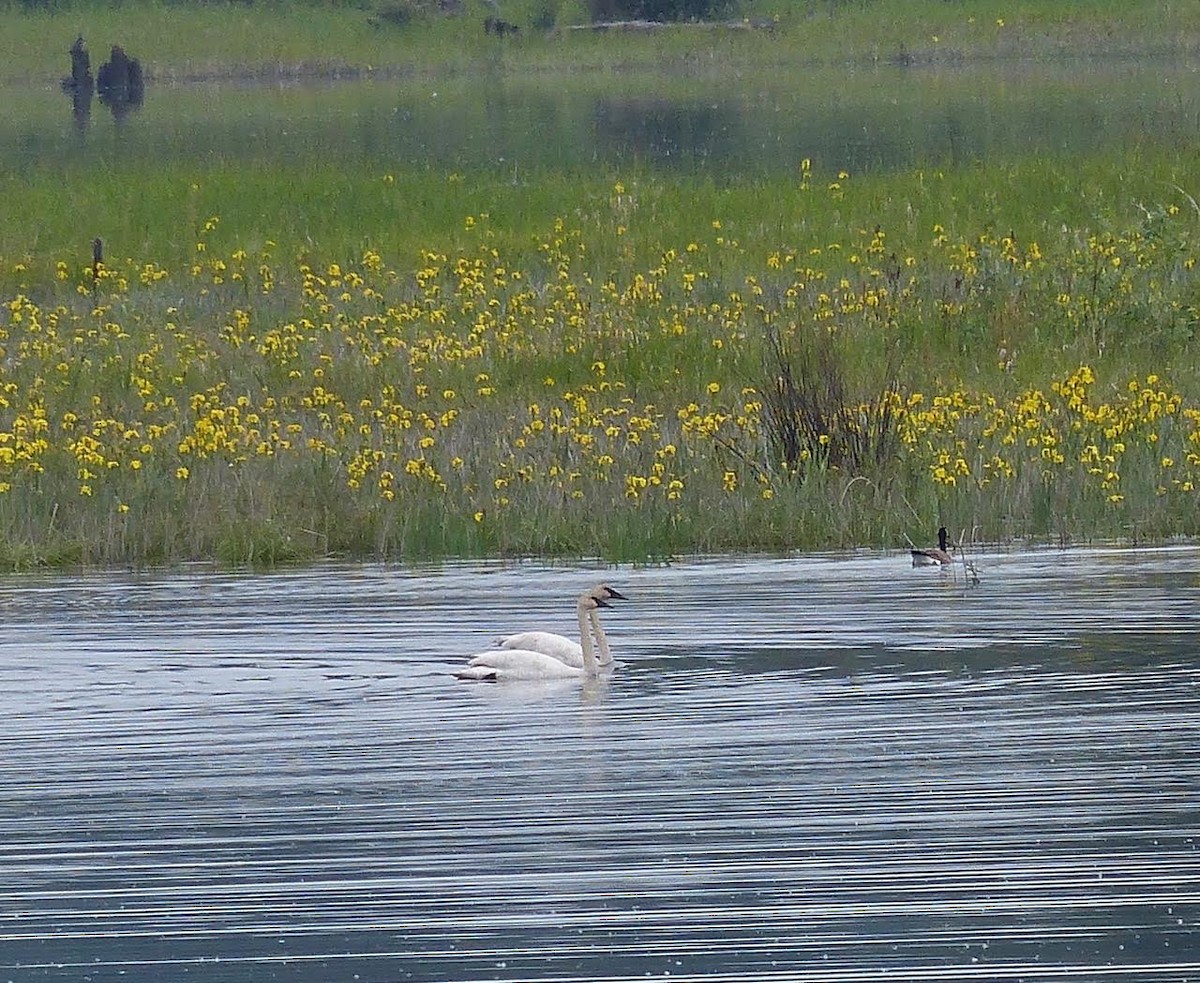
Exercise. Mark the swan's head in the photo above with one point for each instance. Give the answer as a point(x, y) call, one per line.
point(602, 592)
point(590, 602)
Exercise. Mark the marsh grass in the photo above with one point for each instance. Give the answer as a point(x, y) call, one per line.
point(333, 211)
point(182, 42)
point(811, 415)
point(290, 360)
point(604, 385)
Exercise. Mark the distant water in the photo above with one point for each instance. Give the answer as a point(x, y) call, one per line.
point(521, 124)
point(831, 768)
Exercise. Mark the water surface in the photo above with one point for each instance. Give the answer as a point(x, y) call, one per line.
point(727, 125)
point(821, 768)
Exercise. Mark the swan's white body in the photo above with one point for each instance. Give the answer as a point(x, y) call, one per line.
point(501, 664)
point(497, 665)
point(559, 646)
point(565, 649)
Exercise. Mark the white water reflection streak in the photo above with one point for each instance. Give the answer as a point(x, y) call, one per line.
point(824, 768)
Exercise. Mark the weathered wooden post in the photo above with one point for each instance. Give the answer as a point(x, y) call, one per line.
point(97, 265)
point(81, 65)
point(79, 83)
point(120, 81)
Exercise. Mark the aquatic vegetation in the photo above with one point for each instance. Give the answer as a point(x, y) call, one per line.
point(591, 393)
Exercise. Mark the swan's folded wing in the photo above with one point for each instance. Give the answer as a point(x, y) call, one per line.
point(549, 643)
point(518, 664)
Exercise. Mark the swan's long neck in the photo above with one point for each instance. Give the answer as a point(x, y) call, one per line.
point(605, 656)
point(585, 642)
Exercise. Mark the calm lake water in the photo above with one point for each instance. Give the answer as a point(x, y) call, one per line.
point(862, 119)
point(827, 768)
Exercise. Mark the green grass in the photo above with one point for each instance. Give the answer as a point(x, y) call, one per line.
point(225, 394)
point(331, 211)
point(486, 321)
point(185, 42)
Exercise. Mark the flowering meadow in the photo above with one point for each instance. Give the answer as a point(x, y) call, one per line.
point(576, 396)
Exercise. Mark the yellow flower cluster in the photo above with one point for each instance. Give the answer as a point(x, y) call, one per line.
point(1067, 435)
point(494, 388)
point(435, 386)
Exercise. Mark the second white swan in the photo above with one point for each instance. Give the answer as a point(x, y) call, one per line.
point(501, 664)
point(565, 649)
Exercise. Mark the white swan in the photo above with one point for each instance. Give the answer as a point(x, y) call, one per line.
point(565, 649)
point(498, 665)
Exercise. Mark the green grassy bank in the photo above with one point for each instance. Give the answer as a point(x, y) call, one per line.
point(623, 381)
point(182, 42)
point(320, 359)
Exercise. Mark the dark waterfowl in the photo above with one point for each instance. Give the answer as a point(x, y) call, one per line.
point(938, 557)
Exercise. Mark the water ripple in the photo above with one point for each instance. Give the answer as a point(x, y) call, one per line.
point(825, 769)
